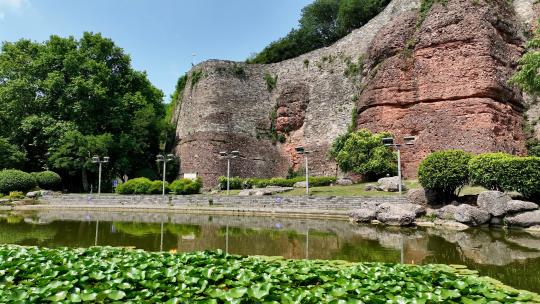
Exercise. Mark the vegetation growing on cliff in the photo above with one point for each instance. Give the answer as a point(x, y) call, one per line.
point(527, 78)
point(322, 23)
point(64, 100)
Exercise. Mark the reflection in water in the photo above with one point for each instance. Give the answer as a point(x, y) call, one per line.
point(510, 256)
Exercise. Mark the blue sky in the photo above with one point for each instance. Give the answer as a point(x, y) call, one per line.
point(160, 35)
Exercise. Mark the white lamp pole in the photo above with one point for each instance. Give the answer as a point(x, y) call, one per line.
point(389, 142)
point(97, 160)
point(229, 156)
point(164, 159)
point(302, 150)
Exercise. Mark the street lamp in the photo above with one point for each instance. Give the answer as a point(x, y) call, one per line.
point(164, 159)
point(229, 156)
point(97, 160)
point(302, 150)
point(389, 142)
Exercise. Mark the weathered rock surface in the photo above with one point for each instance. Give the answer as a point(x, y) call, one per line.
point(364, 215)
point(515, 206)
point(393, 215)
point(391, 184)
point(494, 202)
point(300, 184)
point(443, 81)
point(264, 191)
point(421, 196)
point(526, 219)
point(344, 182)
point(471, 216)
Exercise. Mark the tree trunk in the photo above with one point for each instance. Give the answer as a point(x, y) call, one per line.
point(84, 180)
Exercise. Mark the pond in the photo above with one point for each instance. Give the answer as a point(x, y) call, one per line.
point(510, 256)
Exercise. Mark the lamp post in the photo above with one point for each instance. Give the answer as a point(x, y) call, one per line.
point(97, 160)
point(302, 150)
point(229, 156)
point(389, 142)
point(164, 159)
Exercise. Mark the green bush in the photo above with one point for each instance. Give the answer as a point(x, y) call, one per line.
point(48, 180)
point(522, 174)
point(140, 185)
point(156, 187)
point(234, 183)
point(487, 169)
point(364, 153)
point(16, 180)
point(16, 195)
point(315, 181)
point(186, 186)
point(504, 172)
point(445, 172)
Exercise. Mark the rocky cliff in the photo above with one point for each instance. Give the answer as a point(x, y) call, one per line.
point(440, 75)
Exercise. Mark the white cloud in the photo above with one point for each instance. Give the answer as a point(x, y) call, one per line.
point(13, 4)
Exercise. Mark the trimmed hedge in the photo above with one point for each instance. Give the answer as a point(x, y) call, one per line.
point(156, 187)
point(48, 180)
point(445, 172)
point(16, 180)
point(487, 169)
point(140, 185)
point(248, 183)
point(504, 172)
point(186, 186)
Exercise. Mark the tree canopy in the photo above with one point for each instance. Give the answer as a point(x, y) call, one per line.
point(363, 152)
point(65, 99)
point(322, 23)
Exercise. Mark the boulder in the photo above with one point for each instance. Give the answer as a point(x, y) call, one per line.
point(446, 212)
point(344, 182)
point(450, 225)
point(393, 215)
point(264, 191)
point(526, 219)
point(390, 184)
point(470, 215)
point(363, 215)
point(300, 184)
point(421, 196)
point(369, 188)
point(494, 202)
point(515, 206)
point(33, 194)
point(417, 209)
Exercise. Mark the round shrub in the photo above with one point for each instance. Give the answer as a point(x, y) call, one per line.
point(48, 180)
point(234, 183)
point(156, 187)
point(140, 185)
point(487, 170)
point(16, 180)
point(186, 186)
point(522, 174)
point(445, 172)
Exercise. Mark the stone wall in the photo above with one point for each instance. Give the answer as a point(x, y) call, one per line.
point(444, 82)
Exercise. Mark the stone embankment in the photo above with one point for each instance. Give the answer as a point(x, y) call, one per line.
point(335, 207)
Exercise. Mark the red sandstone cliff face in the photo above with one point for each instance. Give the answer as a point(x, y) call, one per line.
point(444, 80)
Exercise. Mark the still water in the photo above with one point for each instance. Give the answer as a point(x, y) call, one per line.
point(510, 256)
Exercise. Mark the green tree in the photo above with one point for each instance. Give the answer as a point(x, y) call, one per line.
point(322, 23)
point(527, 78)
point(66, 90)
point(363, 152)
point(10, 155)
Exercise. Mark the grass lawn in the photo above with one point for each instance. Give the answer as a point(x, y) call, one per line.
point(358, 190)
